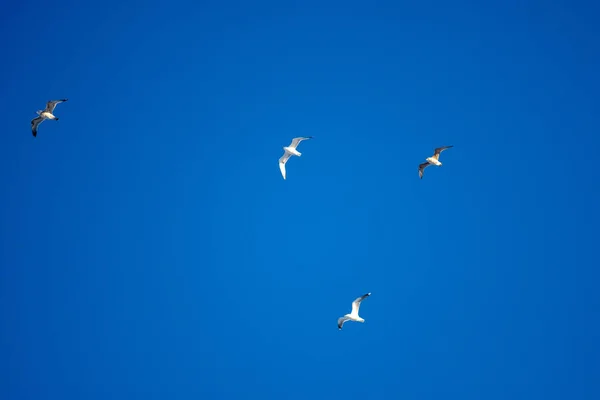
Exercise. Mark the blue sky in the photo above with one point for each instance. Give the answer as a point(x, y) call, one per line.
point(150, 248)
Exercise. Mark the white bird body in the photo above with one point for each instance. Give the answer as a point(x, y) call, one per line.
point(353, 316)
point(290, 151)
point(46, 114)
point(433, 161)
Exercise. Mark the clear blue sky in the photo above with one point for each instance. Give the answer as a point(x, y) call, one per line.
point(150, 249)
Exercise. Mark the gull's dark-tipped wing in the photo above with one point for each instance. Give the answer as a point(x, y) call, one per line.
point(422, 169)
point(437, 151)
point(34, 125)
point(51, 105)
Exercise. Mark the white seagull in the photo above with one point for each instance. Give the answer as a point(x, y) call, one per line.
point(353, 316)
point(290, 151)
point(433, 160)
point(45, 114)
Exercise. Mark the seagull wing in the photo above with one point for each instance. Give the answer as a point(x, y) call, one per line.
point(341, 321)
point(422, 168)
point(282, 162)
point(296, 141)
point(51, 105)
point(356, 303)
point(436, 152)
point(34, 124)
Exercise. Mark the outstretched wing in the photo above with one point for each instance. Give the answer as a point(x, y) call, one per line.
point(282, 162)
point(51, 105)
point(296, 141)
point(341, 321)
point(34, 125)
point(422, 168)
point(436, 152)
point(356, 303)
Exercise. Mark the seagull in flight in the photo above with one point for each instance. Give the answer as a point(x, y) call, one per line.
point(433, 160)
point(353, 316)
point(44, 115)
point(290, 151)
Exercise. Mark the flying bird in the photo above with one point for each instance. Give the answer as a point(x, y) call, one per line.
point(290, 151)
point(353, 316)
point(44, 115)
point(433, 160)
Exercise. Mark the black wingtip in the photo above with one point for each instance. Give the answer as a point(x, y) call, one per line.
point(34, 134)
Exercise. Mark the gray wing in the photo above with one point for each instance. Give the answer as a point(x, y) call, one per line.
point(437, 151)
point(296, 141)
point(422, 168)
point(356, 303)
point(282, 162)
point(51, 105)
point(341, 321)
point(34, 125)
